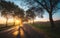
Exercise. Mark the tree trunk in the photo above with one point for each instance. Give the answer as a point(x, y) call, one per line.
point(21, 22)
point(33, 21)
point(6, 22)
point(51, 20)
point(14, 21)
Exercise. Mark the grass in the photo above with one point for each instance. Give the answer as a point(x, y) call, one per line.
point(47, 29)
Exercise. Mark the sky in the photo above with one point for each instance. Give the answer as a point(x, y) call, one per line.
point(56, 16)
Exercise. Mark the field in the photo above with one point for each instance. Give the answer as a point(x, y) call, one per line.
point(45, 26)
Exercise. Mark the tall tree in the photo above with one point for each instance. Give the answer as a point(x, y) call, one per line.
point(5, 13)
point(51, 6)
point(6, 7)
point(20, 13)
point(11, 8)
point(30, 14)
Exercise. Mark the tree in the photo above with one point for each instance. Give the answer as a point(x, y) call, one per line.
point(30, 14)
point(20, 13)
point(8, 7)
point(5, 9)
point(4, 13)
point(51, 6)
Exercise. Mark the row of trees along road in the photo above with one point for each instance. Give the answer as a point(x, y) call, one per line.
point(50, 6)
point(30, 14)
point(10, 8)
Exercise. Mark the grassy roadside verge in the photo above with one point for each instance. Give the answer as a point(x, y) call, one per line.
point(46, 28)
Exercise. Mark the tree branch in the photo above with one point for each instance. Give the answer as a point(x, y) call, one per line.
point(42, 5)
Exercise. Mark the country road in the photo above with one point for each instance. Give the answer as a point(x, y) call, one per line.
point(22, 32)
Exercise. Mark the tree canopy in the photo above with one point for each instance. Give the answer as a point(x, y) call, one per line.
point(10, 8)
point(50, 6)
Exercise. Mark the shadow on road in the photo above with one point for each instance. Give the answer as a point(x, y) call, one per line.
point(32, 33)
point(29, 32)
point(23, 32)
point(18, 35)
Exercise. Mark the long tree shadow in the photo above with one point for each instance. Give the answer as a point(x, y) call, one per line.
point(32, 32)
point(26, 34)
point(29, 32)
point(18, 35)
